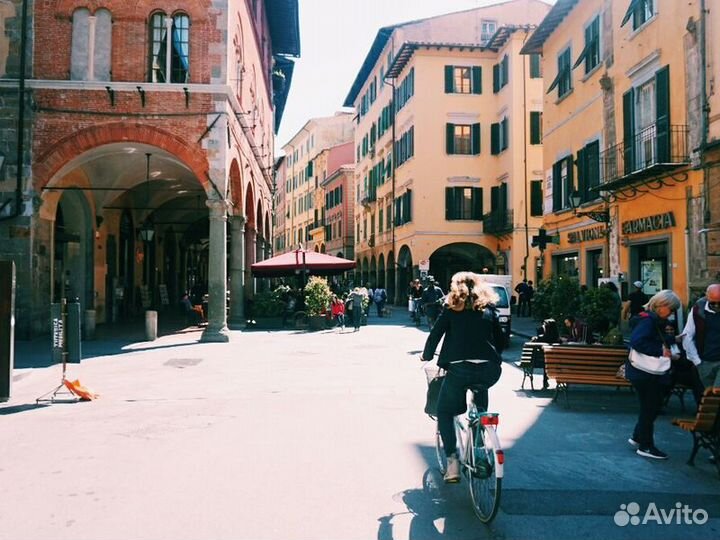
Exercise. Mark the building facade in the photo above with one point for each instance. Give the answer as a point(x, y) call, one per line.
point(337, 202)
point(306, 160)
point(623, 185)
point(149, 143)
point(448, 147)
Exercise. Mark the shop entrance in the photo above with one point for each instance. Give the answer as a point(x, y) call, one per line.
point(649, 264)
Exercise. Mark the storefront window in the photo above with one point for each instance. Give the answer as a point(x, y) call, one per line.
point(566, 265)
point(649, 265)
point(594, 267)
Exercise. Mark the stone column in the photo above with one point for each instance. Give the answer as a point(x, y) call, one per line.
point(250, 239)
point(217, 329)
point(237, 272)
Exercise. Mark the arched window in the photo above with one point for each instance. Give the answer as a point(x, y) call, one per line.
point(91, 45)
point(169, 48)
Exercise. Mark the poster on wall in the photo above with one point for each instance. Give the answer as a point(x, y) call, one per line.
point(652, 276)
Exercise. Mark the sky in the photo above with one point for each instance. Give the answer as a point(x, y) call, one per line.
point(335, 37)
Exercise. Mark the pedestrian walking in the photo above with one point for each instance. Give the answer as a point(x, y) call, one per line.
point(522, 291)
point(701, 339)
point(648, 368)
point(637, 299)
point(355, 300)
point(337, 309)
point(380, 297)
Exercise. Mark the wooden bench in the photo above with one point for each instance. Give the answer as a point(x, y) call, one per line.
point(532, 358)
point(584, 364)
point(705, 427)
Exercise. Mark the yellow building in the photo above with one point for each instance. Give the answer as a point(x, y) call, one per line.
point(298, 190)
point(622, 186)
point(448, 147)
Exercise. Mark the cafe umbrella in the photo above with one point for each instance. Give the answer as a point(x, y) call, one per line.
point(301, 261)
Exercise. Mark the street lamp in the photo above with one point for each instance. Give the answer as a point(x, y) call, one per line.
point(147, 232)
point(602, 216)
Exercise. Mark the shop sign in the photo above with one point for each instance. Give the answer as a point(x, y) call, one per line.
point(649, 224)
point(586, 235)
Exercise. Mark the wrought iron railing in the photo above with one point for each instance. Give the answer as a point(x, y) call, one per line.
point(498, 222)
point(368, 197)
point(650, 151)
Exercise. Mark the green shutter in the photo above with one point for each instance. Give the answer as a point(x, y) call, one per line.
point(449, 86)
point(506, 134)
point(477, 203)
point(592, 167)
point(503, 196)
point(494, 198)
point(556, 187)
point(535, 66)
point(570, 180)
point(662, 108)
point(629, 130)
point(582, 175)
point(496, 78)
point(450, 138)
point(494, 139)
point(505, 71)
point(536, 198)
point(477, 80)
point(475, 139)
point(535, 127)
point(449, 203)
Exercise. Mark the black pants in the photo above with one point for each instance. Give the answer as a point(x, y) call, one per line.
point(651, 392)
point(452, 399)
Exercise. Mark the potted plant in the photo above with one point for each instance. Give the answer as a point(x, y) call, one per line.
point(597, 308)
point(557, 298)
point(317, 300)
point(268, 308)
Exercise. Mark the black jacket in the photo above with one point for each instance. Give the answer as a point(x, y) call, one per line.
point(469, 335)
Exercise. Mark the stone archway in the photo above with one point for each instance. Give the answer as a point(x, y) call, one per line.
point(459, 257)
point(381, 272)
point(404, 268)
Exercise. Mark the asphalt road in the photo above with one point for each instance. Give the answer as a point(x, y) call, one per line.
point(291, 435)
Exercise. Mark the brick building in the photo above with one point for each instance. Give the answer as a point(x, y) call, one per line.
point(148, 150)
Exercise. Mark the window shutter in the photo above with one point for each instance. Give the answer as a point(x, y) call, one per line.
point(477, 80)
point(449, 203)
point(592, 166)
point(450, 138)
point(662, 108)
point(582, 174)
point(494, 198)
point(475, 139)
point(556, 188)
point(629, 130)
point(449, 80)
point(632, 8)
point(494, 139)
point(505, 71)
point(505, 134)
point(496, 78)
point(477, 203)
point(570, 181)
point(503, 196)
point(535, 127)
point(408, 205)
point(535, 66)
point(536, 198)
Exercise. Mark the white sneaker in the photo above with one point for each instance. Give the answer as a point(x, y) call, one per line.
point(632, 442)
point(452, 475)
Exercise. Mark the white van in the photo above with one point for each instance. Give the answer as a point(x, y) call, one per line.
point(502, 284)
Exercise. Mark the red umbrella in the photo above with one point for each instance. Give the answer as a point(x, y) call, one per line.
point(296, 261)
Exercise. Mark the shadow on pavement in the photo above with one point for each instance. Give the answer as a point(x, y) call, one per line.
point(14, 409)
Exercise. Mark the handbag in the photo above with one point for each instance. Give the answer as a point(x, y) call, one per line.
point(655, 365)
point(433, 395)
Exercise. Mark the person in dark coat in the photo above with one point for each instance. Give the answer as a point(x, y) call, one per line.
point(470, 354)
point(649, 371)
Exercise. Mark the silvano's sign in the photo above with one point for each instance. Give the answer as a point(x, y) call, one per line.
point(649, 224)
point(585, 235)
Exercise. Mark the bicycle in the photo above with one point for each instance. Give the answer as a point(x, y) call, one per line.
point(481, 456)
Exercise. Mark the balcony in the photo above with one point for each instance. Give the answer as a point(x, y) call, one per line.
point(498, 222)
point(651, 153)
point(367, 197)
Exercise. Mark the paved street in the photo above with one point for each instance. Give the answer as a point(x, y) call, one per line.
point(292, 435)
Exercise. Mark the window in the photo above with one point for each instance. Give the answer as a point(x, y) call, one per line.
point(535, 127)
point(536, 198)
point(487, 29)
point(463, 139)
point(590, 54)
point(388, 217)
point(463, 80)
point(499, 136)
point(535, 67)
point(640, 11)
point(501, 74)
point(380, 220)
point(499, 197)
point(405, 146)
point(588, 164)
point(170, 42)
point(405, 90)
point(403, 208)
point(91, 45)
point(463, 203)
point(563, 80)
point(562, 183)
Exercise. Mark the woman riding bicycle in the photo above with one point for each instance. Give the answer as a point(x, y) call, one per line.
point(470, 354)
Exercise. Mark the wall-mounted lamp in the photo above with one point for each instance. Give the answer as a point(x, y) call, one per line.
point(142, 95)
point(187, 97)
point(111, 95)
point(602, 216)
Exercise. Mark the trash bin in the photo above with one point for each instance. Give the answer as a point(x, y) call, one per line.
point(151, 325)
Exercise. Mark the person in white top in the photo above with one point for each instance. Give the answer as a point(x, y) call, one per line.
point(701, 336)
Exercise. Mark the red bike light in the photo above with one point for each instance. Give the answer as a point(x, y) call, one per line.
point(490, 420)
point(500, 456)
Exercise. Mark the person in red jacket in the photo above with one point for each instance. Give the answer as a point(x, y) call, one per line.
point(337, 309)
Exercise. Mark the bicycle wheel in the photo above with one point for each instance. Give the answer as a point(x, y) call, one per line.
point(440, 451)
point(485, 478)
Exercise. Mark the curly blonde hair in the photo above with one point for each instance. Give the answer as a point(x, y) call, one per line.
point(469, 291)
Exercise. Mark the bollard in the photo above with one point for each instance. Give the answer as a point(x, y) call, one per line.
point(7, 327)
point(151, 325)
point(89, 325)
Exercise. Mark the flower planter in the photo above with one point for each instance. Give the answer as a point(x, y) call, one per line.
point(316, 322)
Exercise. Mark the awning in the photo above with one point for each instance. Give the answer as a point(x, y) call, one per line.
point(297, 261)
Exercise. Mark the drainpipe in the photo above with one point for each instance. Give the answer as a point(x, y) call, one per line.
point(525, 162)
point(21, 118)
point(393, 110)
